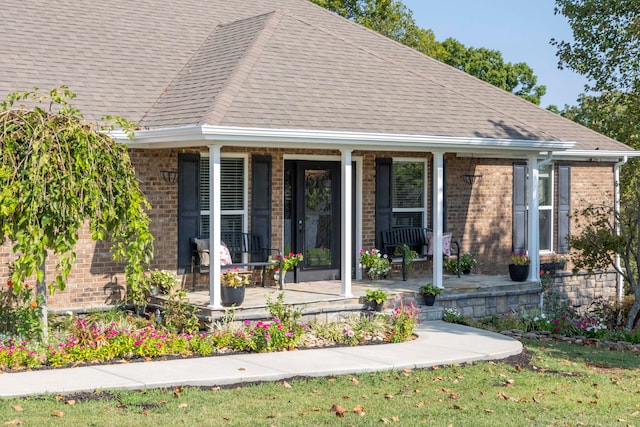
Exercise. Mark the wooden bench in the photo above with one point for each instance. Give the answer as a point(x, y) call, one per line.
point(416, 239)
point(239, 244)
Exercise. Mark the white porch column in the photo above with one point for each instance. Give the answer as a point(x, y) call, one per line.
point(437, 220)
point(533, 223)
point(346, 223)
point(215, 298)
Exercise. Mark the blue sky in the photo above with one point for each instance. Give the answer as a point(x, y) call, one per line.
point(520, 29)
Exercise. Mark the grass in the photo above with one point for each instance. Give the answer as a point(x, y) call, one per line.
point(560, 385)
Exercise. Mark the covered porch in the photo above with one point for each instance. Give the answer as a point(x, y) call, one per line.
point(473, 295)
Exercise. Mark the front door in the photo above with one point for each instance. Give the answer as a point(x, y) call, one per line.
point(312, 217)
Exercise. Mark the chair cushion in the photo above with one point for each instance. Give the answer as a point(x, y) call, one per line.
point(446, 244)
point(202, 246)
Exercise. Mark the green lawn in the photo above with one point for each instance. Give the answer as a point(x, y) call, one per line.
point(558, 385)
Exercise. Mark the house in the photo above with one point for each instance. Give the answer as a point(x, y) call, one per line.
point(282, 119)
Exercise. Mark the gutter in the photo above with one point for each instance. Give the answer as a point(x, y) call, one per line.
point(204, 135)
point(616, 207)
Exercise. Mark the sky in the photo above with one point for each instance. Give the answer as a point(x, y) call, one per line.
point(519, 29)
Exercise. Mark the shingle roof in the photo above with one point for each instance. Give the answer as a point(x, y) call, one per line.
point(255, 63)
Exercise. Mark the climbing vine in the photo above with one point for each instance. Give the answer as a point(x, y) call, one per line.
point(56, 173)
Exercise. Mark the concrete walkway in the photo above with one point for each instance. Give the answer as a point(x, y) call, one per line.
point(438, 343)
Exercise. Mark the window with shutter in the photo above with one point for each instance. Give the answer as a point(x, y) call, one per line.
point(232, 194)
point(408, 193)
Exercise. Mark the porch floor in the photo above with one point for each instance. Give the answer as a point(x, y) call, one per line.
point(324, 296)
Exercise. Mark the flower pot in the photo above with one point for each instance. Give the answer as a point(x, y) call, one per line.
point(232, 295)
point(429, 299)
point(553, 266)
point(518, 273)
point(376, 306)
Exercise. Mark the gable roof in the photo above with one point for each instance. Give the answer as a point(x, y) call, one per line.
point(260, 64)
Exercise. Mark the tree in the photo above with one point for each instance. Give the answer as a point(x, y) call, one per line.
point(606, 47)
point(56, 174)
point(489, 66)
point(598, 241)
point(392, 19)
point(606, 50)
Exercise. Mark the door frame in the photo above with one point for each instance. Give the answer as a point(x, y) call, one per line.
point(357, 202)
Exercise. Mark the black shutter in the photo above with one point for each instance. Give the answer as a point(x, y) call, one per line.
point(384, 200)
point(188, 207)
point(564, 206)
point(261, 200)
point(519, 207)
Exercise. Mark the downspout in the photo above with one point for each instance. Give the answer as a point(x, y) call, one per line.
point(616, 207)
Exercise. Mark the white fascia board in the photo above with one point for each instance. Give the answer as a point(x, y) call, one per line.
point(595, 155)
point(191, 136)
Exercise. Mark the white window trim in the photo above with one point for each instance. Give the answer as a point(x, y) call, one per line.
point(424, 209)
point(551, 207)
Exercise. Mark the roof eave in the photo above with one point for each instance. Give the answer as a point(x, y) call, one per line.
point(204, 135)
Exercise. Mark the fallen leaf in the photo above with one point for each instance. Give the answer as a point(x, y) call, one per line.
point(58, 414)
point(503, 396)
point(445, 390)
point(388, 396)
point(339, 410)
point(420, 404)
point(346, 397)
point(146, 412)
point(395, 418)
point(241, 369)
point(313, 408)
point(635, 414)
point(59, 398)
point(355, 380)
point(489, 411)
point(453, 396)
point(13, 422)
point(437, 379)
point(70, 402)
point(18, 408)
point(461, 408)
point(518, 368)
point(286, 384)
point(358, 409)
point(385, 420)
point(182, 405)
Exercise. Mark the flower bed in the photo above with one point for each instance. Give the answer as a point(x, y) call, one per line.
point(90, 342)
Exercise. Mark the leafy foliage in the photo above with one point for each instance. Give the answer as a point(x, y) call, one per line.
point(598, 241)
point(606, 44)
point(56, 173)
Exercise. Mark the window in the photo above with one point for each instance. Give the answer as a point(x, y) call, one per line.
point(545, 206)
point(232, 194)
point(408, 193)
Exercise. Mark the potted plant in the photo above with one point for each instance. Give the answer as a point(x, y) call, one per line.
point(429, 293)
point(232, 289)
point(376, 298)
point(557, 263)
point(289, 262)
point(467, 263)
point(374, 263)
point(519, 266)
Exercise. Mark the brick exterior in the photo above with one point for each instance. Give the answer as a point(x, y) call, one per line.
point(478, 215)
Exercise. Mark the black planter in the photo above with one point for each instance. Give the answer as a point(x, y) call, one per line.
point(232, 296)
point(376, 306)
point(553, 266)
point(518, 273)
point(429, 299)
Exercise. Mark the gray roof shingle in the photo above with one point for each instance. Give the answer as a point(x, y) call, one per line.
point(255, 63)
